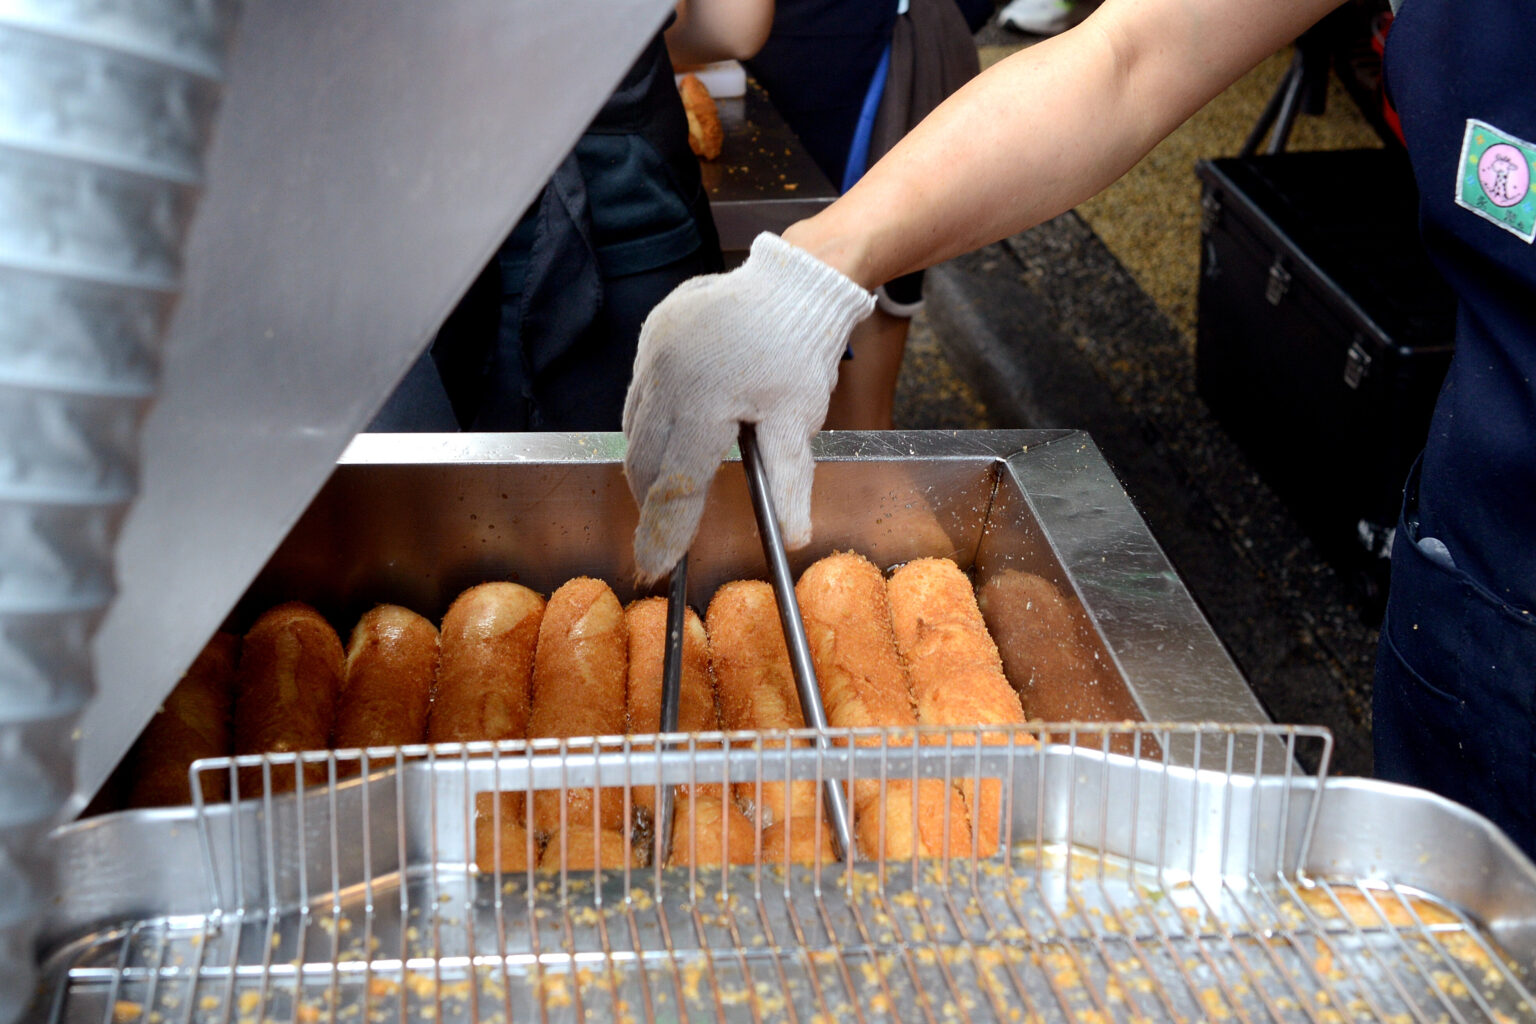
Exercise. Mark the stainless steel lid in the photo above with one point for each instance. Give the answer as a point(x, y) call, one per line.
point(368, 160)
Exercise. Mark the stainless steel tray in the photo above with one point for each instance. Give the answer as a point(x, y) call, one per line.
point(415, 519)
point(1132, 888)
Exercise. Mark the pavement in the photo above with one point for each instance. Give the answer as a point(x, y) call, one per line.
point(1087, 322)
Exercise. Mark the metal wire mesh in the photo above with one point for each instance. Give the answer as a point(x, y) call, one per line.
point(1167, 882)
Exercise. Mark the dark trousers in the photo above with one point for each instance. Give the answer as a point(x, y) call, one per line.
point(1454, 702)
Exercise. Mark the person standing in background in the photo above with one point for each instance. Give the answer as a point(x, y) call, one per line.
point(544, 339)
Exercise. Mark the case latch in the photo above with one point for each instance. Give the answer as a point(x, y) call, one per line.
point(1279, 282)
point(1210, 211)
point(1357, 363)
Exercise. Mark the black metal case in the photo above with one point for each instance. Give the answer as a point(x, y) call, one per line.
point(1324, 332)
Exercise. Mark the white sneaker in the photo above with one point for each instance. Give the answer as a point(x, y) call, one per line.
point(1038, 17)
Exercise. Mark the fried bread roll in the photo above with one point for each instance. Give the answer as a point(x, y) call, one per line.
point(485, 665)
point(507, 826)
point(705, 136)
point(957, 675)
point(290, 673)
point(863, 683)
point(579, 682)
point(805, 839)
point(194, 722)
point(704, 827)
point(757, 688)
point(582, 849)
point(387, 690)
point(646, 622)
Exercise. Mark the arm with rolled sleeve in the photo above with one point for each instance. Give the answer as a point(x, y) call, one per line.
point(1026, 140)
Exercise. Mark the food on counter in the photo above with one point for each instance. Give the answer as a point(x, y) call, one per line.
point(798, 841)
point(580, 848)
point(646, 623)
point(387, 689)
point(194, 722)
point(504, 825)
point(901, 652)
point(705, 136)
point(757, 688)
point(286, 687)
point(485, 667)
point(957, 675)
point(863, 683)
point(580, 671)
point(706, 829)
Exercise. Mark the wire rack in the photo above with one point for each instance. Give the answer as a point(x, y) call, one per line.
point(1144, 874)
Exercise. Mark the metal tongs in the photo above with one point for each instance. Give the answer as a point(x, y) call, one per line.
point(811, 709)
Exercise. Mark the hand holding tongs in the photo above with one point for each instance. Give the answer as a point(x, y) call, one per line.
point(794, 637)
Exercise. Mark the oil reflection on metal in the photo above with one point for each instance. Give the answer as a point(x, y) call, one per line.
point(1126, 887)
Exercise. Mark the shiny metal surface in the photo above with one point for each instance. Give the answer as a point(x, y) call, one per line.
point(813, 715)
point(764, 180)
point(1088, 534)
point(369, 158)
point(106, 109)
point(1130, 888)
point(416, 519)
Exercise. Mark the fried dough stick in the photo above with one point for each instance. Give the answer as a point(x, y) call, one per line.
point(957, 675)
point(579, 682)
point(485, 669)
point(863, 683)
point(194, 722)
point(387, 689)
point(484, 691)
point(579, 848)
point(290, 673)
point(703, 821)
point(757, 690)
point(706, 828)
point(646, 622)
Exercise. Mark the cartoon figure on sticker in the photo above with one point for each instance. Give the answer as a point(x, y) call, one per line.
point(1504, 175)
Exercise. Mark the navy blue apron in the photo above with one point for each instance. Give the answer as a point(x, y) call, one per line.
point(545, 339)
point(1455, 692)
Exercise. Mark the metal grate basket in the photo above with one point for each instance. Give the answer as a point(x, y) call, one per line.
point(1145, 873)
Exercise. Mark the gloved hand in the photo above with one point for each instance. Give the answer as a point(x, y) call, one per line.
point(761, 345)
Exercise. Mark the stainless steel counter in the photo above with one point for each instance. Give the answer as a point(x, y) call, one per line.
point(416, 518)
point(763, 180)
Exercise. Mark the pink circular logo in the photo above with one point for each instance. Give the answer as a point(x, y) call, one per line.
point(1504, 174)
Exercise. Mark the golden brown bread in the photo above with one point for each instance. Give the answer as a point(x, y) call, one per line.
point(579, 681)
point(387, 689)
point(706, 829)
point(863, 683)
point(504, 825)
point(290, 674)
point(579, 848)
point(646, 622)
point(485, 667)
point(756, 687)
point(194, 722)
point(705, 136)
point(806, 839)
point(957, 676)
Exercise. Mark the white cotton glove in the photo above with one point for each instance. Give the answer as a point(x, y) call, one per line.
point(759, 345)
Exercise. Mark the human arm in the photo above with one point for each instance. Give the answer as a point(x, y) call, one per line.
point(1045, 129)
point(711, 30)
point(1027, 140)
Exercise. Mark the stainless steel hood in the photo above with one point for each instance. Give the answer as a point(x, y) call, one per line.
point(369, 158)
